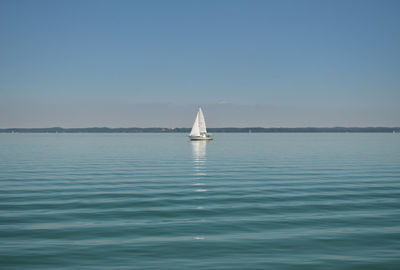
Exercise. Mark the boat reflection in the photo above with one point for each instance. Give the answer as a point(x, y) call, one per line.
point(199, 155)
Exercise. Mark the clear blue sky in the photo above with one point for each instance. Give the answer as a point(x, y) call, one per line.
point(149, 63)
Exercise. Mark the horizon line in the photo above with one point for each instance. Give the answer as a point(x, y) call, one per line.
point(186, 129)
point(60, 127)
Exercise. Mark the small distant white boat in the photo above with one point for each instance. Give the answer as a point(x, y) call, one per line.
point(199, 130)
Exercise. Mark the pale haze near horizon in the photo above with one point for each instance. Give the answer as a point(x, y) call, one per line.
point(247, 63)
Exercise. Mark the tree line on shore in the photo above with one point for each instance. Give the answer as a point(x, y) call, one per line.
point(186, 130)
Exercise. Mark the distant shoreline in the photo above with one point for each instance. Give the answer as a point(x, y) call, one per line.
point(212, 130)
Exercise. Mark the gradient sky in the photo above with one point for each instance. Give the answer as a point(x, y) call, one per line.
point(248, 63)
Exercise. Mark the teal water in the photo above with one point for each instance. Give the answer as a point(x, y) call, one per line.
point(159, 201)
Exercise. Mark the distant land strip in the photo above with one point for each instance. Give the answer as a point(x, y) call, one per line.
point(186, 130)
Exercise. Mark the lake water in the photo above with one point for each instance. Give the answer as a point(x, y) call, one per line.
point(159, 201)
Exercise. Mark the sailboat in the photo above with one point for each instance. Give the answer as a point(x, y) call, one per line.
point(199, 130)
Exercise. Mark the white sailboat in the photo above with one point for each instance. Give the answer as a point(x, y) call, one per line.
point(199, 130)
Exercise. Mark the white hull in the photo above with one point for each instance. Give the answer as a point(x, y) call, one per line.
point(200, 138)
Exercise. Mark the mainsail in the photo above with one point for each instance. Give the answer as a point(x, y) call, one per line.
point(202, 122)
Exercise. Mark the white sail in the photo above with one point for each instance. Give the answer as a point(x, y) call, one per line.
point(202, 122)
point(196, 127)
point(199, 130)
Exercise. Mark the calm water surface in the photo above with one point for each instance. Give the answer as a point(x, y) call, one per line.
point(159, 201)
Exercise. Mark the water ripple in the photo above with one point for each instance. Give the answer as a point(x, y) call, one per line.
point(279, 201)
